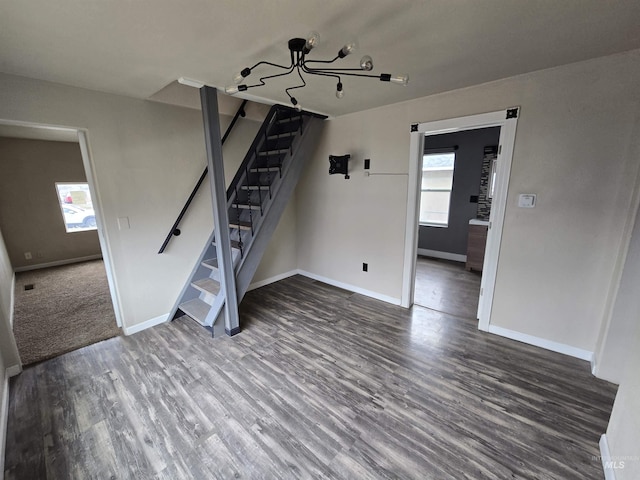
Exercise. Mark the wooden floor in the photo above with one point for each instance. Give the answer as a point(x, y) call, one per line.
point(446, 286)
point(321, 383)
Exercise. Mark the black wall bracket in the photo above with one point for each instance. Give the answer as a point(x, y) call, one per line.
point(512, 113)
point(340, 165)
point(414, 127)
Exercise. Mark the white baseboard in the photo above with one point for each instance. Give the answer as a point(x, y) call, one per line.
point(164, 318)
point(14, 370)
point(273, 279)
point(4, 417)
point(456, 257)
point(542, 343)
point(605, 456)
point(152, 322)
point(351, 288)
point(57, 263)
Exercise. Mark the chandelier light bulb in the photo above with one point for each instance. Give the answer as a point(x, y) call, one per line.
point(400, 79)
point(296, 105)
point(233, 89)
point(347, 49)
point(238, 78)
point(339, 90)
point(366, 63)
point(312, 41)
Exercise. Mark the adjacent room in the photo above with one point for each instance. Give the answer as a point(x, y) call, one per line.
point(62, 299)
point(372, 239)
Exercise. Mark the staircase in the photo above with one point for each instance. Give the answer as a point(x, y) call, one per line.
point(256, 199)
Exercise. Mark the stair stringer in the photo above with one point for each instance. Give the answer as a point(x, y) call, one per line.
point(184, 293)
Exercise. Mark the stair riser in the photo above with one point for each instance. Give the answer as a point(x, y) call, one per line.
point(286, 128)
point(280, 143)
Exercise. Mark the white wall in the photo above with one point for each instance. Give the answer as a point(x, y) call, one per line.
point(8, 349)
point(618, 360)
point(623, 432)
point(620, 335)
point(576, 148)
point(146, 158)
point(9, 358)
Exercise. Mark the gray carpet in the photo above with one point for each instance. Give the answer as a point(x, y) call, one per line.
point(69, 307)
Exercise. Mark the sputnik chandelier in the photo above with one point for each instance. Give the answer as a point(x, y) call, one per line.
point(299, 49)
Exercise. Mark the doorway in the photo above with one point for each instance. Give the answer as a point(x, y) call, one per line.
point(455, 204)
point(506, 120)
point(51, 223)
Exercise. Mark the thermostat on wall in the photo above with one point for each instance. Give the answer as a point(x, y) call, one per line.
point(527, 200)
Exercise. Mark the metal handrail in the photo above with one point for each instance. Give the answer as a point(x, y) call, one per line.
point(175, 231)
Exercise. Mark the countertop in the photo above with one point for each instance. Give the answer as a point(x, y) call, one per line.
point(475, 221)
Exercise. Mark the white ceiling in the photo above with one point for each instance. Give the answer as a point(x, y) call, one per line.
point(136, 48)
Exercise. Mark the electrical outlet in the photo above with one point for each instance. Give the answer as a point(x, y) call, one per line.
point(27, 255)
point(365, 267)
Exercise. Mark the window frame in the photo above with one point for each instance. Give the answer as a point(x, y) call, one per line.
point(79, 227)
point(442, 190)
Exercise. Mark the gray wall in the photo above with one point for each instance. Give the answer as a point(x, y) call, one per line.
point(466, 182)
point(30, 217)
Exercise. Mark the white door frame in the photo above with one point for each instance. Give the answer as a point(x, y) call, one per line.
point(507, 120)
point(87, 160)
point(97, 203)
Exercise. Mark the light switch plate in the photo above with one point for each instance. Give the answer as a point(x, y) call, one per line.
point(527, 200)
point(123, 223)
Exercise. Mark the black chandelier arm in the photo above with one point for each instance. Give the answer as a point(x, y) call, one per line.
point(304, 84)
point(262, 79)
point(329, 72)
point(321, 73)
point(305, 61)
point(273, 65)
point(311, 70)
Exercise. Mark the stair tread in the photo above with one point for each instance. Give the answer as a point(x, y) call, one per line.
point(196, 309)
point(278, 136)
point(272, 168)
point(272, 153)
point(246, 206)
point(210, 263)
point(207, 285)
point(242, 225)
point(289, 119)
point(255, 187)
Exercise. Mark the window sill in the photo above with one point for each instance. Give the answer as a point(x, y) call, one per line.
point(437, 225)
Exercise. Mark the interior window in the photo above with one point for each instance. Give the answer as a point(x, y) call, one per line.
point(437, 182)
point(76, 207)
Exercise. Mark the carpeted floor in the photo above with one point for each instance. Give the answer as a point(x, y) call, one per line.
point(69, 307)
